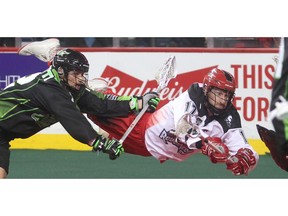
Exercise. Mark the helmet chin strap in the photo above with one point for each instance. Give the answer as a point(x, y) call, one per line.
point(63, 76)
point(60, 72)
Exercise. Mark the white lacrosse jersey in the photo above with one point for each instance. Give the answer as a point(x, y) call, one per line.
point(188, 112)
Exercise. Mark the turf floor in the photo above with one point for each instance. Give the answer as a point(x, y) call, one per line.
point(65, 164)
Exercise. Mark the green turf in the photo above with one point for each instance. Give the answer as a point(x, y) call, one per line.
point(63, 164)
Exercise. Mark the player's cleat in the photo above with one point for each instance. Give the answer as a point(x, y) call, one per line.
point(44, 50)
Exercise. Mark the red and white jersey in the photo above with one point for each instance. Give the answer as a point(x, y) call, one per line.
point(165, 122)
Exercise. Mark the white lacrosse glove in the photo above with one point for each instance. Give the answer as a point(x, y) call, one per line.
point(281, 109)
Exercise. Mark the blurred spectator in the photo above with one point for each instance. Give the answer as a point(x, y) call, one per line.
point(135, 42)
point(180, 42)
point(211, 42)
point(86, 42)
point(143, 42)
point(127, 42)
point(245, 42)
point(103, 42)
point(162, 42)
point(72, 42)
point(7, 42)
point(268, 42)
point(89, 41)
point(25, 40)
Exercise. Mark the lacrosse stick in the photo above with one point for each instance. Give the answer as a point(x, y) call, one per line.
point(98, 84)
point(164, 75)
point(189, 127)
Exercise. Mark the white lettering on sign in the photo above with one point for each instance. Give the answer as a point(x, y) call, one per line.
point(8, 80)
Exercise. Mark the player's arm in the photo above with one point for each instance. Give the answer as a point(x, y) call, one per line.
point(60, 105)
point(79, 128)
point(110, 105)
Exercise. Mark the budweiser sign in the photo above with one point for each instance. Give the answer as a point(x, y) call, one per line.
point(124, 84)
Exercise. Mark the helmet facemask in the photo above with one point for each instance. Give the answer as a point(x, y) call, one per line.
point(219, 90)
point(76, 79)
point(218, 100)
point(72, 67)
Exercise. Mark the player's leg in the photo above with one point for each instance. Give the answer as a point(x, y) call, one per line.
point(269, 137)
point(3, 173)
point(278, 105)
point(4, 157)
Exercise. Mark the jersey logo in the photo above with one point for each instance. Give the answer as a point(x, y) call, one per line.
point(63, 52)
point(170, 137)
point(228, 121)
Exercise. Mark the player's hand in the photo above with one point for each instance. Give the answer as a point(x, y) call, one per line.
point(110, 146)
point(241, 162)
point(152, 99)
point(215, 149)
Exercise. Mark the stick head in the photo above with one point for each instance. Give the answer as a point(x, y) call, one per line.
point(184, 124)
point(166, 73)
point(98, 84)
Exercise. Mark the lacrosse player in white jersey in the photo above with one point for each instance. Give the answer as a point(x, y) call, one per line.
point(202, 119)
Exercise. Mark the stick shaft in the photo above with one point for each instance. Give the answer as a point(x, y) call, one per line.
point(133, 124)
point(146, 106)
point(135, 121)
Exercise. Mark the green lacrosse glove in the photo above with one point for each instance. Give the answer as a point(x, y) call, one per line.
point(134, 104)
point(110, 146)
point(152, 99)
